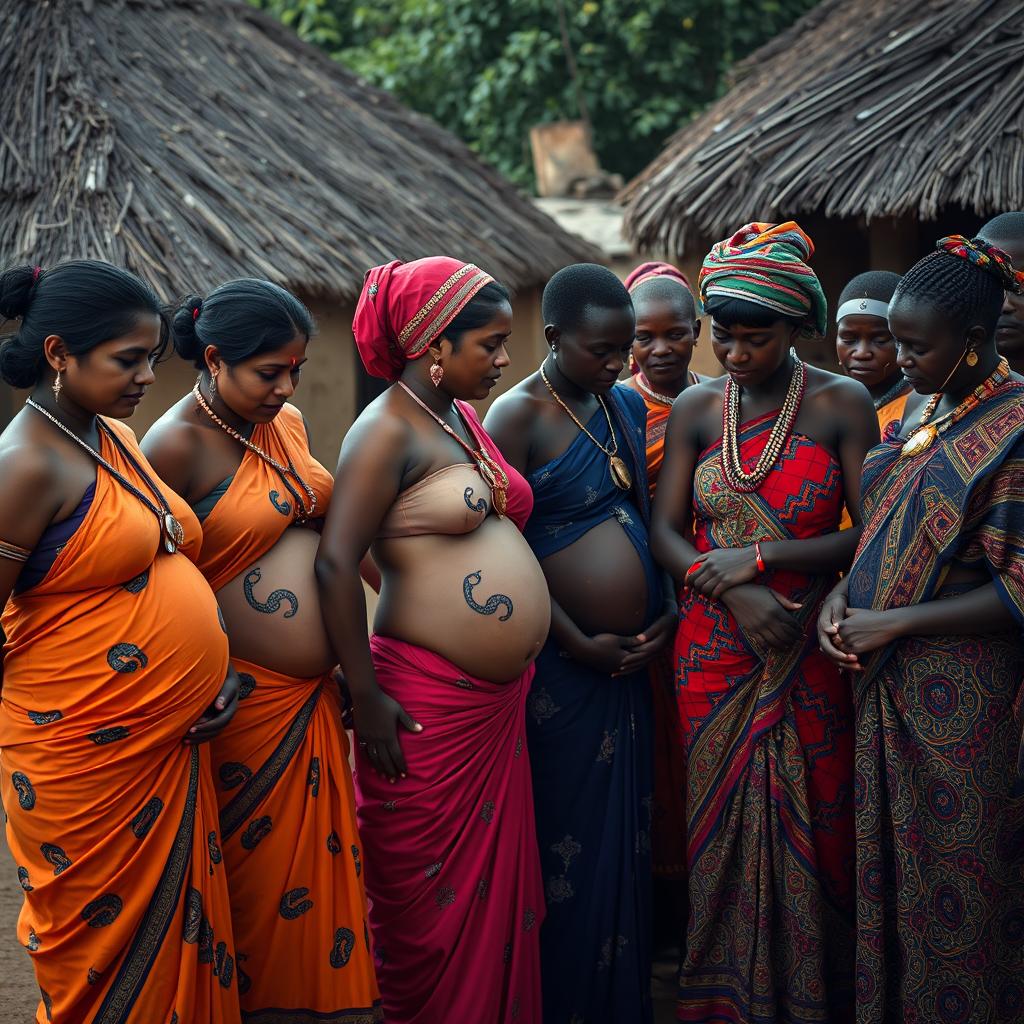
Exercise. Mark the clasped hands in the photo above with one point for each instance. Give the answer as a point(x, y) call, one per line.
point(728, 575)
point(845, 633)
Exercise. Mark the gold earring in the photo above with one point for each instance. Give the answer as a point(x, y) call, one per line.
point(436, 374)
point(57, 385)
point(972, 358)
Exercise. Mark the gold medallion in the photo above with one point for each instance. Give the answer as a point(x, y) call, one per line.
point(619, 473)
point(919, 441)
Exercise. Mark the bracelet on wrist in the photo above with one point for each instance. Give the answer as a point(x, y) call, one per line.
point(761, 567)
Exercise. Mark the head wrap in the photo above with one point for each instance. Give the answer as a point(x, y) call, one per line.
point(648, 271)
point(987, 257)
point(766, 264)
point(403, 307)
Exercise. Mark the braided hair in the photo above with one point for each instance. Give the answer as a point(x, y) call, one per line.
point(964, 279)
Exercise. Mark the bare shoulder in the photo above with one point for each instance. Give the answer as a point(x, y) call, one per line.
point(173, 436)
point(834, 388)
point(520, 402)
point(379, 430)
point(692, 409)
point(32, 488)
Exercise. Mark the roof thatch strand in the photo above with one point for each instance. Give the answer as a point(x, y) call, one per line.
point(864, 108)
point(195, 141)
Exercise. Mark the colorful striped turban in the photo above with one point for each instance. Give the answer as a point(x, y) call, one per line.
point(649, 271)
point(403, 307)
point(766, 264)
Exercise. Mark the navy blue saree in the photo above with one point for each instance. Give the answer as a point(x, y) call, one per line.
point(590, 740)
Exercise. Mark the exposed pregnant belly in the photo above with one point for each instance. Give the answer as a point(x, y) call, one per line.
point(478, 599)
point(599, 581)
point(272, 609)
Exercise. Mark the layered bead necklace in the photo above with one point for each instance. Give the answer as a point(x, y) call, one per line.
point(924, 436)
point(732, 463)
point(304, 511)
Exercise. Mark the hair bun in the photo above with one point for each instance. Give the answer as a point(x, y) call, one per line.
point(16, 286)
point(183, 329)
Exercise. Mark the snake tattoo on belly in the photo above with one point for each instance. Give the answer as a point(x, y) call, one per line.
point(494, 602)
point(274, 599)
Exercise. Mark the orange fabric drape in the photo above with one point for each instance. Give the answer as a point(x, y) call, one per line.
point(284, 784)
point(891, 412)
point(112, 820)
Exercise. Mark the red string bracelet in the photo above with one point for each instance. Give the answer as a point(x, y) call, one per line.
point(761, 567)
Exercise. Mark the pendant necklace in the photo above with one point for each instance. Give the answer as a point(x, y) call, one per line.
point(171, 531)
point(732, 463)
point(304, 511)
point(616, 467)
point(494, 476)
point(656, 396)
point(924, 436)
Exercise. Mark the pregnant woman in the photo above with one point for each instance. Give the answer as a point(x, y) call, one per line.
point(239, 453)
point(579, 437)
point(114, 671)
point(445, 809)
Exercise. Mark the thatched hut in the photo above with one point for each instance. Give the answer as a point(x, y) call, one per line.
point(879, 124)
point(195, 141)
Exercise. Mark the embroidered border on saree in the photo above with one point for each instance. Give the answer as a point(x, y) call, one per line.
point(245, 802)
point(131, 975)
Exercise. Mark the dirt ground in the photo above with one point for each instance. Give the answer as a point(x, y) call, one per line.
point(19, 995)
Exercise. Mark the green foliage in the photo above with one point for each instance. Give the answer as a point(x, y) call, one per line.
point(491, 69)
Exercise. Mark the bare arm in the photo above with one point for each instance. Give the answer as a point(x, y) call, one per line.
point(30, 498)
point(368, 480)
point(673, 501)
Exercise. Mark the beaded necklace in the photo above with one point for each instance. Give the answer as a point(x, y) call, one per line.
point(732, 464)
point(924, 437)
point(656, 396)
point(304, 512)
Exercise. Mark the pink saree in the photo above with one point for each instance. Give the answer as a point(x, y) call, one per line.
point(452, 868)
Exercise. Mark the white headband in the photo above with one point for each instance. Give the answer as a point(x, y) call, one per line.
point(865, 307)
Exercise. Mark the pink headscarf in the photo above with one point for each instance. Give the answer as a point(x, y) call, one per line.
point(403, 307)
point(647, 271)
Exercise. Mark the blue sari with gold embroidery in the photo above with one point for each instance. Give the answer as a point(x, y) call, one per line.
point(940, 829)
point(590, 740)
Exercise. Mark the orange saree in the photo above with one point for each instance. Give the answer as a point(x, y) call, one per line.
point(112, 819)
point(287, 806)
point(668, 812)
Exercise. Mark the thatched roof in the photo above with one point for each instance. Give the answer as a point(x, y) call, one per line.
point(196, 140)
point(864, 108)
